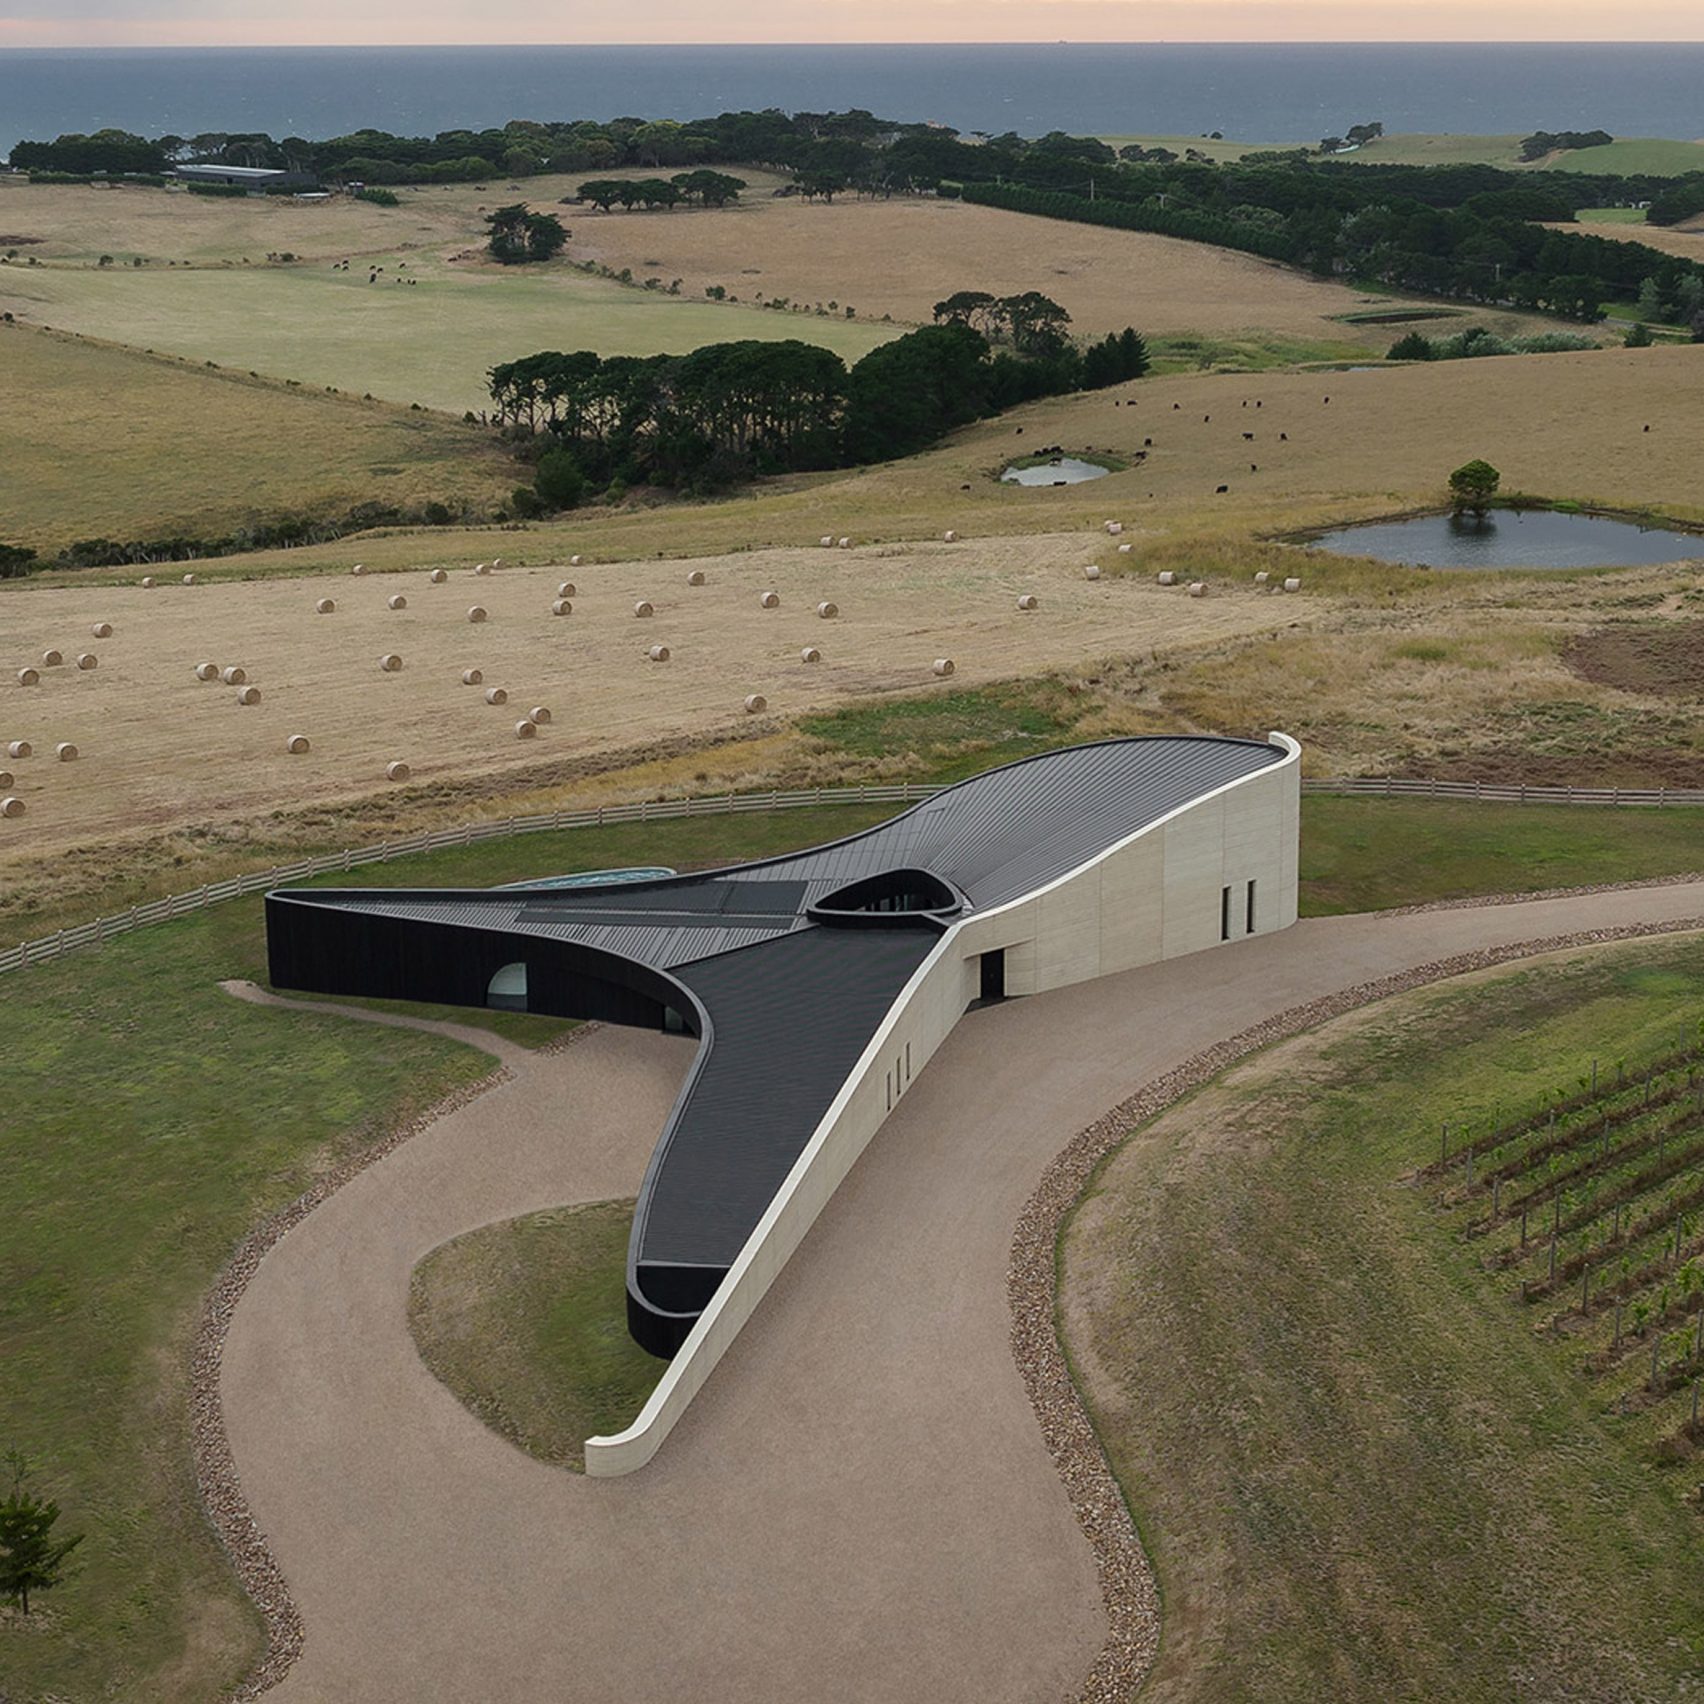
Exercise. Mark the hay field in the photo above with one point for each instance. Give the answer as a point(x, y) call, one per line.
point(847, 253)
point(162, 750)
point(77, 222)
point(1685, 240)
point(102, 441)
point(432, 343)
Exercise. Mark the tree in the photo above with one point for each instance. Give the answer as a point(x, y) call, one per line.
point(1416, 346)
point(31, 1558)
point(975, 308)
point(519, 235)
point(1472, 486)
point(1639, 337)
point(559, 482)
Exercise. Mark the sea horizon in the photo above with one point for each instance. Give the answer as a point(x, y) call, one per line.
point(1279, 92)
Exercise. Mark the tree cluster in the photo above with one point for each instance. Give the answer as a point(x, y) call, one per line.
point(1542, 142)
point(519, 235)
point(729, 411)
point(708, 188)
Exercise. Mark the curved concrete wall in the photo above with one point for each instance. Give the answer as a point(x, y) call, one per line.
point(1153, 896)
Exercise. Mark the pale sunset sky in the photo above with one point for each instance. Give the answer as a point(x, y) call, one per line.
point(144, 23)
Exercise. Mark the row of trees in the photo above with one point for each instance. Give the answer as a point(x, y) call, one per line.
point(728, 411)
point(707, 188)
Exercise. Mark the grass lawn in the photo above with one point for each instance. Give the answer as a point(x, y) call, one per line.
point(526, 1323)
point(1360, 1472)
point(1610, 215)
point(206, 453)
point(431, 343)
point(150, 1121)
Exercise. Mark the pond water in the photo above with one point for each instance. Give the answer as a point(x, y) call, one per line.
point(1062, 470)
point(1508, 538)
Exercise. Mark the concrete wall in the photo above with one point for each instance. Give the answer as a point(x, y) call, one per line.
point(1155, 895)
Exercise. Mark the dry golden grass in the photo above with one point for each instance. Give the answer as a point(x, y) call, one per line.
point(1685, 240)
point(162, 751)
point(101, 441)
point(900, 257)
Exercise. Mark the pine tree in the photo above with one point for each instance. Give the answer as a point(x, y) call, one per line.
point(31, 1558)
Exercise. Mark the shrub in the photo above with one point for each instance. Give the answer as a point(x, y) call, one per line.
point(438, 514)
point(1416, 346)
point(525, 503)
point(560, 483)
point(15, 559)
point(379, 197)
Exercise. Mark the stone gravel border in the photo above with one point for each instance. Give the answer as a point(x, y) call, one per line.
point(1128, 1590)
point(215, 1472)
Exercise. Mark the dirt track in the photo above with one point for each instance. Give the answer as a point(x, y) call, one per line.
point(858, 1506)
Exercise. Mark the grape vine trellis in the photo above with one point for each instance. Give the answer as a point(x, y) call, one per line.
point(1591, 1205)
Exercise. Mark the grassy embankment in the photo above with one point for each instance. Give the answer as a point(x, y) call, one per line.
point(1358, 1466)
point(1655, 155)
point(151, 1120)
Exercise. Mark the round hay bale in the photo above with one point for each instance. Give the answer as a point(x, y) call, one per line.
point(1261, 576)
point(102, 629)
point(1114, 528)
point(1292, 584)
point(755, 703)
point(696, 577)
point(496, 695)
point(325, 606)
point(19, 748)
point(65, 752)
point(540, 713)
point(496, 563)
point(526, 729)
point(826, 542)
point(296, 744)
point(846, 544)
point(233, 676)
point(949, 536)
point(1167, 577)
point(642, 610)
point(575, 561)
point(11, 807)
point(1029, 601)
point(189, 579)
point(147, 582)
point(206, 671)
point(658, 653)
point(5, 779)
point(810, 654)
point(398, 771)
point(396, 601)
point(51, 659)
point(567, 589)
point(943, 666)
point(828, 611)
point(476, 613)
point(389, 663)
point(437, 577)
point(359, 568)
point(1092, 572)
point(88, 660)
point(473, 677)
point(1198, 588)
point(769, 600)
point(1125, 549)
point(27, 677)
point(248, 695)
point(482, 568)
point(561, 607)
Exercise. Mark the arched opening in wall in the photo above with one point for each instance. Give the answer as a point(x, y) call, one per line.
point(508, 989)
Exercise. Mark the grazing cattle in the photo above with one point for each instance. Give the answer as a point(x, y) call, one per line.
point(1248, 437)
point(1205, 418)
point(1647, 428)
point(1283, 437)
point(1328, 399)
point(1147, 443)
point(1254, 467)
point(1221, 490)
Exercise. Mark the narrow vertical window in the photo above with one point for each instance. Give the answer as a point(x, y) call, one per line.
point(1224, 914)
point(890, 1091)
point(1249, 925)
point(908, 1062)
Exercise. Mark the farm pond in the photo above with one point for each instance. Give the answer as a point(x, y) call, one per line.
point(1060, 470)
point(1512, 538)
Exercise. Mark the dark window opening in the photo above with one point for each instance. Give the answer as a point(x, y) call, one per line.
point(1224, 914)
point(1249, 926)
point(994, 975)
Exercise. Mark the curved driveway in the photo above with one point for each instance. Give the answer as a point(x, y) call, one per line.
point(858, 1506)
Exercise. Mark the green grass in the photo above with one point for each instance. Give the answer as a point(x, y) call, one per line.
point(1655, 156)
point(150, 1121)
point(1367, 854)
point(1256, 353)
point(1611, 215)
point(526, 1323)
point(1359, 1471)
point(431, 344)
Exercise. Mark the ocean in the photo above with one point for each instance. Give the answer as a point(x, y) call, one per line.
point(1289, 93)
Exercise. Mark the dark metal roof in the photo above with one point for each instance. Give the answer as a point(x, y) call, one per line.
point(785, 1004)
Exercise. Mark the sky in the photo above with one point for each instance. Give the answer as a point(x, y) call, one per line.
point(186, 23)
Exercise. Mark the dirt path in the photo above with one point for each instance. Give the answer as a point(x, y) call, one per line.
point(860, 1505)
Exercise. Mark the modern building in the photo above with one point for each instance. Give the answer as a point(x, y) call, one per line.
point(258, 178)
point(819, 984)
